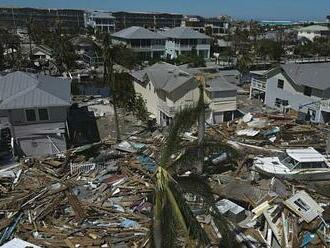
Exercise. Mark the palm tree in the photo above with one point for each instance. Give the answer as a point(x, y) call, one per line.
point(172, 216)
point(115, 55)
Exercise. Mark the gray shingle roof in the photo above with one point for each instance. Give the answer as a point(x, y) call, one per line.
point(219, 83)
point(315, 75)
point(135, 32)
point(184, 33)
point(164, 76)
point(26, 90)
point(168, 78)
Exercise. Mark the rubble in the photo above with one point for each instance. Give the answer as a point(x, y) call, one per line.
point(100, 194)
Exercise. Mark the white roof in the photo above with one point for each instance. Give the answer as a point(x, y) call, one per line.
point(305, 155)
point(313, 28)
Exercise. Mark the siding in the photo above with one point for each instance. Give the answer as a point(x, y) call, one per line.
point(294, 97)
point(56, 114)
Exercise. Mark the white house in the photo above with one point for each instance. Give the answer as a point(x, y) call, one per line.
point(99, 20)
point(145, 43)
point(181, 40)
point(167, 88)
point(302, 87)
point(313, 31)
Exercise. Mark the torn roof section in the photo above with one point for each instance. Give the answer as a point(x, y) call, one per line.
point(25, 90)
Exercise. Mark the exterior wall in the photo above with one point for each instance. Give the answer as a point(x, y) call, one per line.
point(174, 49)
point(309, 35)
point(157, 101)
point(56, 114)
point(150, 97)
point(294, 97)
point(222, 104)
point(151, 51)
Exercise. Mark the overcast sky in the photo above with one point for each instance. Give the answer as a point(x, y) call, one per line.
point(247, 9)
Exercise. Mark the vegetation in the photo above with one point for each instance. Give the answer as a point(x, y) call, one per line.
point(116, 55)
point(172, 215)
point(320, 47)
point(269, 49)
point(191, 58)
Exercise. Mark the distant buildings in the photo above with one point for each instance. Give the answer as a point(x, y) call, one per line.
point(35, 107)
point(147, 20)
point(168, 88)
point(13, 18)
point(147, 44)
point(181, 40)
point(100, 20)
point(302, 87)
point(313, 31)
point(212, 25)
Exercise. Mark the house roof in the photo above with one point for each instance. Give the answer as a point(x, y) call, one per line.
point(314, 28)
point(134, 32)
point(314, 75)
point(219, 83)
point(184, 33)
point(305, 155)
point(164, 76)
point(26, 90)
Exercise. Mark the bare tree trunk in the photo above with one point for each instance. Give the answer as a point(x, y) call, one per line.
point(201, 130)
point(114, 102)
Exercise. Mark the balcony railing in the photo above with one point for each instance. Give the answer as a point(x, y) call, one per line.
point(258, 84)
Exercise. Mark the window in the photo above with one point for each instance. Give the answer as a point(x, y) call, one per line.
point(278, 102)
point(280, 84)
point(307, 91)
point(43, 114)
point(30, 115)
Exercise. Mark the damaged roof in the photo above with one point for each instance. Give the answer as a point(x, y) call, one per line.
point(26, 90)
point(137, 33)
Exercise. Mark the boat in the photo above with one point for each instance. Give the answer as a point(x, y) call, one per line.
point(305, 164)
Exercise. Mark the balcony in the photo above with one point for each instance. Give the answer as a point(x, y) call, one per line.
point(258, 84)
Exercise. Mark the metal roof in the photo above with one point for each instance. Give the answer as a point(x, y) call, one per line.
point(219, 83)
point(26, 90)
point(314, 28)
point(314, 75)
point(184, 33)
point(305, 155)
point(137, 33)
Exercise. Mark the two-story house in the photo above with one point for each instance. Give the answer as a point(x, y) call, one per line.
point(35, 106)
point(167, 88)
point(302, 87)
point(181, 40)
point(147, 44)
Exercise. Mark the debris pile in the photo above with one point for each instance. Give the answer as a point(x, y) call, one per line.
point(51, 202)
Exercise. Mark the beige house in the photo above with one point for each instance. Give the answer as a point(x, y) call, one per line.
point(166, 89)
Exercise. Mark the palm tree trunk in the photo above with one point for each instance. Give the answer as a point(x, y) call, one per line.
point(201, 131)
point(114, 101)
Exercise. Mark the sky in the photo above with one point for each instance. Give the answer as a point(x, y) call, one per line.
point(293, 10)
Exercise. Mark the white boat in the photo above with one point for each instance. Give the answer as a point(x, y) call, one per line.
point(295, 164)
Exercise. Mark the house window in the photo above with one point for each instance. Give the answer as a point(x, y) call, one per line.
point(278, 102)
point(280, 84)
point(307, 91)
point(30, 115)
point(43, 114)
